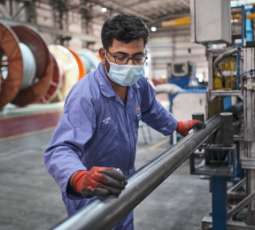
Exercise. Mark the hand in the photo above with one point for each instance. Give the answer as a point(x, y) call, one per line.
point(183, 127)
point(98, 181)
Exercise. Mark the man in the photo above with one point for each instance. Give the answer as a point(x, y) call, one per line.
point(92, 151)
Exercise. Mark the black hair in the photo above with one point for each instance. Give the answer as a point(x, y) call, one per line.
point(124, 28)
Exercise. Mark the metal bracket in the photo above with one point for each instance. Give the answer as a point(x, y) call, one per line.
point(243, 203)
point(248, 163)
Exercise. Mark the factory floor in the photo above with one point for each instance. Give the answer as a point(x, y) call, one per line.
point(29, 198)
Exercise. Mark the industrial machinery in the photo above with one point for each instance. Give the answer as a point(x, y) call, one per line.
point(185, 94)
point(228, 157)
point(180, 73)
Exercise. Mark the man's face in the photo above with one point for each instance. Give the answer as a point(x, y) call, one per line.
point(124, 53)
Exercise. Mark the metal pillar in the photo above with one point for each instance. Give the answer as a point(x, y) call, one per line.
point(219, 182)
point(30, 9)
point(61, 18)
point(219, 202)
point(248, 152)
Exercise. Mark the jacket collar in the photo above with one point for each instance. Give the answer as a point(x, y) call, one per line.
point(104, 84)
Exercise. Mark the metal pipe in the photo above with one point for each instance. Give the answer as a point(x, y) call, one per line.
point(103, 214)
point(242, 204)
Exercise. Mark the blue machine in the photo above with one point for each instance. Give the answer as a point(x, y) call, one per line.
point(180, 74)
point(183, 74)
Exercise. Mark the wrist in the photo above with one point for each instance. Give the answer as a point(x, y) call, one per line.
point(179, 126)
point(77, 180)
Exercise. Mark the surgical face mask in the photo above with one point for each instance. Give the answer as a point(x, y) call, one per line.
point(125, 75)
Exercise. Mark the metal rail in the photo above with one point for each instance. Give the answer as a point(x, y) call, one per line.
point(104, 214)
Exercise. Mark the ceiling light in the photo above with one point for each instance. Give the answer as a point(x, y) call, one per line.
point(154, 29)
point(103, 10)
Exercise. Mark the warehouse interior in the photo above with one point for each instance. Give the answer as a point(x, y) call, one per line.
point(201, 65)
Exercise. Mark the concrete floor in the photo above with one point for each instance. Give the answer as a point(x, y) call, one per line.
point(29, 198)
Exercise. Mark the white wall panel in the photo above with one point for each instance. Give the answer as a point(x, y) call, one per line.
point(169, 46)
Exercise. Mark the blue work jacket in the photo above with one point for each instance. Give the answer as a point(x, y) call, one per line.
point(98, 129)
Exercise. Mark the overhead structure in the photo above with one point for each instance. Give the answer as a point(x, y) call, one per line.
point(182, 21)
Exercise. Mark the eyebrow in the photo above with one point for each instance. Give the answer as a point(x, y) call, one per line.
point(123, 53)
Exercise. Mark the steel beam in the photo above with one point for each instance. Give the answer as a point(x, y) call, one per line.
point(103, 214)
point(50, 30)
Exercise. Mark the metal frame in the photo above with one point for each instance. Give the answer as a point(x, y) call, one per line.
point(231, 225)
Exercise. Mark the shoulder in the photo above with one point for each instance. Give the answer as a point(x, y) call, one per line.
point(143, 85)
point(82, 91)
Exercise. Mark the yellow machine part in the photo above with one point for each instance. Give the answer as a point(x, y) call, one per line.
point(183, 21)
point(217, 82)
point(228, 80)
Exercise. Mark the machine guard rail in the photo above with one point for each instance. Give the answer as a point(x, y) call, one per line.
point(104, 214)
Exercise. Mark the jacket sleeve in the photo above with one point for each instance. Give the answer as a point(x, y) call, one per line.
point(153, 113)
point(76, 127)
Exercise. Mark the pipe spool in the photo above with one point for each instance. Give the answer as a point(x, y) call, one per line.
point(36, 44)
point(54, 82)
point(86, 61)
point(81, 66)
point(11, 65)
point(89, 59)
point(31, 74)
point(38, 92)
point(33, 57)
point(68, 67)
point(37, 85)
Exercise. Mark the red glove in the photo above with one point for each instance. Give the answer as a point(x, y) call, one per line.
point(98, 181)
point(183, 127)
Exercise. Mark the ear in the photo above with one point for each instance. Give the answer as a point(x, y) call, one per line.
point(101, 53)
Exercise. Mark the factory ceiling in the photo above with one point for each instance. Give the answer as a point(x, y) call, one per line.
point(151, 10)
point(91, 11)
